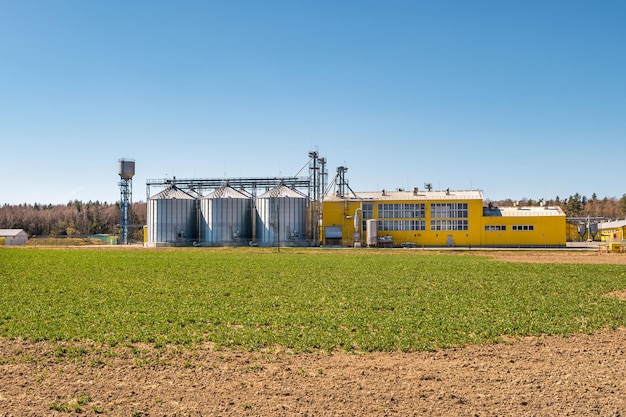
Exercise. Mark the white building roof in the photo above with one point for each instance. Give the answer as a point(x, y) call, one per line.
point(10, 232)
point(612, 225)
point(410, 195)
point(524, 211)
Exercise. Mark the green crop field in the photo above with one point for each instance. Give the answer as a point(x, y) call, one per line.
point(302, 300)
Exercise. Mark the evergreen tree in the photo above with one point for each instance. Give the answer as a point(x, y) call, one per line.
point(574, 206)
point(622, 205)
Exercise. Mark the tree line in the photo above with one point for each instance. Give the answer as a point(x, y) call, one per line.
point(83, 219)
point(579, 206)
point(73, 219)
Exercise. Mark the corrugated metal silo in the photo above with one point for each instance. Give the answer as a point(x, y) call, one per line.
point(226, 217)
point(281, 216)
point(172, 218)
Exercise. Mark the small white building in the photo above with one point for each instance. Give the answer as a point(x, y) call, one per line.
point(13, 237)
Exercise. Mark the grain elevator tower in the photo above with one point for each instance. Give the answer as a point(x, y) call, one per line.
point(126, 170)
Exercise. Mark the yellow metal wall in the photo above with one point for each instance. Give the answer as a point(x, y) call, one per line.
point(548, 230)
point(571, 232)
point(336, 213)
point(616, 233)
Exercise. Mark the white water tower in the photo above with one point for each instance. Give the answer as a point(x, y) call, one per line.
point(126, 171)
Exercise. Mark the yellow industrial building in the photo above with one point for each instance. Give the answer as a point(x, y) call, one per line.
point(436, 219)
point(301, 211)
point(612, 235)
point(613, 230)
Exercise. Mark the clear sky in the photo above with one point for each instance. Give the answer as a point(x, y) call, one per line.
point(521, 99)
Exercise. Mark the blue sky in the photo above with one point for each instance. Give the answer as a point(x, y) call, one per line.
point(521, 99)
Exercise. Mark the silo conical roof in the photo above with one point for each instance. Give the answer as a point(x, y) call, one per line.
point(194, 194)
point(282, 191)
point(226, 191)
point(172, 193)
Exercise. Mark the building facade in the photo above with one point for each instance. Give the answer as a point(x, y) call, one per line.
point(436, 219)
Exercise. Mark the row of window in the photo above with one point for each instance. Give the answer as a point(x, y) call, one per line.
point(404, 225)
point(448, 210)
point(444, 217)
point(401, 225)
point(411, 225)
point(401, 211)
point(516, 227)
point(448, 225)
point(524, 227)
point(416, 211)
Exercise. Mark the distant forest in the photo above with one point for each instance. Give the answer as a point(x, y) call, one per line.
point(73, 219)
point(578, 206)
point(83, 219)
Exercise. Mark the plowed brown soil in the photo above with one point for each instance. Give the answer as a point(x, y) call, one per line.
point(582, 375)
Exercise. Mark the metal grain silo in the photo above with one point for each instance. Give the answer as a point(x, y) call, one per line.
point(281, 217)
point(172, 218)
point(225, 217)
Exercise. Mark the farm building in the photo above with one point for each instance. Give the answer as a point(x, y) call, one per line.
point(302, 211)
point(436, 219)
point(385, 219)
point(612, 231)
point(13, 237)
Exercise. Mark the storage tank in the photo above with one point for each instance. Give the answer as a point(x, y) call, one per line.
point(172, 218)
point(126, 168)
point(281, 217)
point(225, 217)
point(371, 226)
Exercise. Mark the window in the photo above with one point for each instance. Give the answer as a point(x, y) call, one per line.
point(414, 213)
point(368, 210)
point(523, 227)
point(495, 228)
point(448, 225)
point(448, 210)
point(401, 211)
point(401, 225)
point(444, 216)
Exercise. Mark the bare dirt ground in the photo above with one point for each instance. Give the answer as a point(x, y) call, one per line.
point(582, 375)
point(575, 257)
